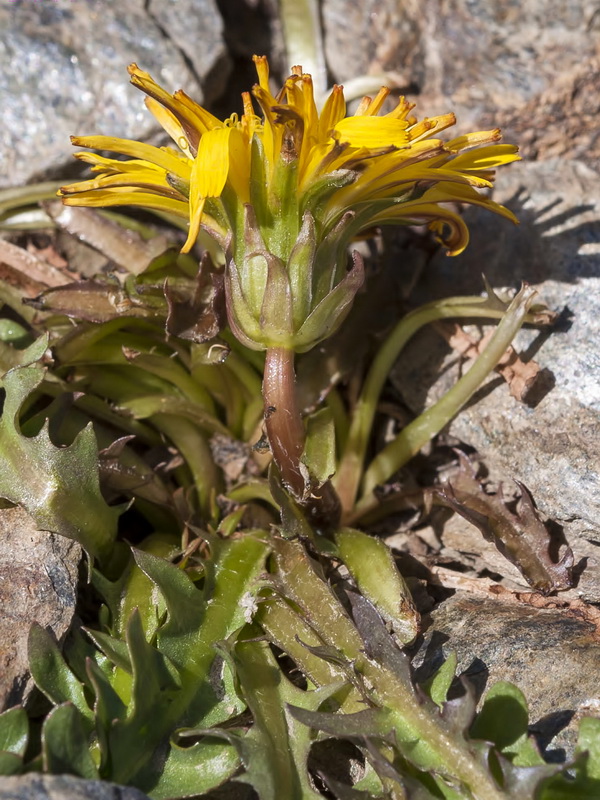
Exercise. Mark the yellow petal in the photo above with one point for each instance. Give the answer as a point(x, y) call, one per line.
point(208, 178)
point(309, 110)
point(149, 180)
point(429, 127)
point(250, 122)
point(194, 119)
point(130, 167)
point(437, 217)
point(239, 164)
point(474, 139)
point(211, 166)
point(372, 131)
point(129, 147)
point(363, 107)
point(170, 124)
point(333, 111)
point(205, 121)
point(196, 209)
point(485, 158)
point(402, 110)
point(142, 80)
point(125, 196)
point(377, 102)
point(272, 131)
point(323, 160)
point(262, 70)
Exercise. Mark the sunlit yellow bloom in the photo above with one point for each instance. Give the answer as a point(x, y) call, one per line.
point(286, 189)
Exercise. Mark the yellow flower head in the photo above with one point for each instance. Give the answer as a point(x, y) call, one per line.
point(287, 189)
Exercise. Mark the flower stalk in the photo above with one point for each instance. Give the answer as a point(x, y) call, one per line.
point(282, 417)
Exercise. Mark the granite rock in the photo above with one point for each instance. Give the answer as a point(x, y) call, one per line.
point(552, 445)
point(64, 787)
point(550, 654)
point(38, 583)
point(64, 72)
point(530, 67)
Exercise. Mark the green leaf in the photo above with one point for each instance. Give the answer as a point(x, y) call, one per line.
point(503, 717)
point(438, 685)
point(26, 357)
point(132, 740)
point(372, 566)
point(194, 770)
point(298, 577)
point(185, 602)
point(293, 522)
point(276, 749)
point(418, 432)
point(10, 764)
point(148, 405)
point(51, 674)
point(114, 649)
point(290, 632)
point(14, 735)
point(371, 722)
point(65, 745)
point(182, 682)
point(503, 720)
point(589, 742)
point(109, 709)
point(109, 706)
point(319, 450)
point(58, 486)
point(139, 591)
point(14, 731)
point(584, 784)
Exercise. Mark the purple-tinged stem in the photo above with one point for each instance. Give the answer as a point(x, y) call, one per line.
point(282, 417)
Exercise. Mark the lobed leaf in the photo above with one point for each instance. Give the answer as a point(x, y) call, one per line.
point(58, 486)
point(275, 751)
point(522, 536)
point(177, 679)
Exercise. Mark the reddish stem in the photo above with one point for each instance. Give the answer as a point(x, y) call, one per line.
point(282, 416)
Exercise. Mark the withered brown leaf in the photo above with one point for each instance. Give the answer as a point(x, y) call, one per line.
point(520, 536)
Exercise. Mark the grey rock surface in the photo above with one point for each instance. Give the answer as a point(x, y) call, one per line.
point(530, 67)
point(64, 72)
point(38, 583)
point(196, 28)
point(64, 787)
point(551, 655)
point(554, 446)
